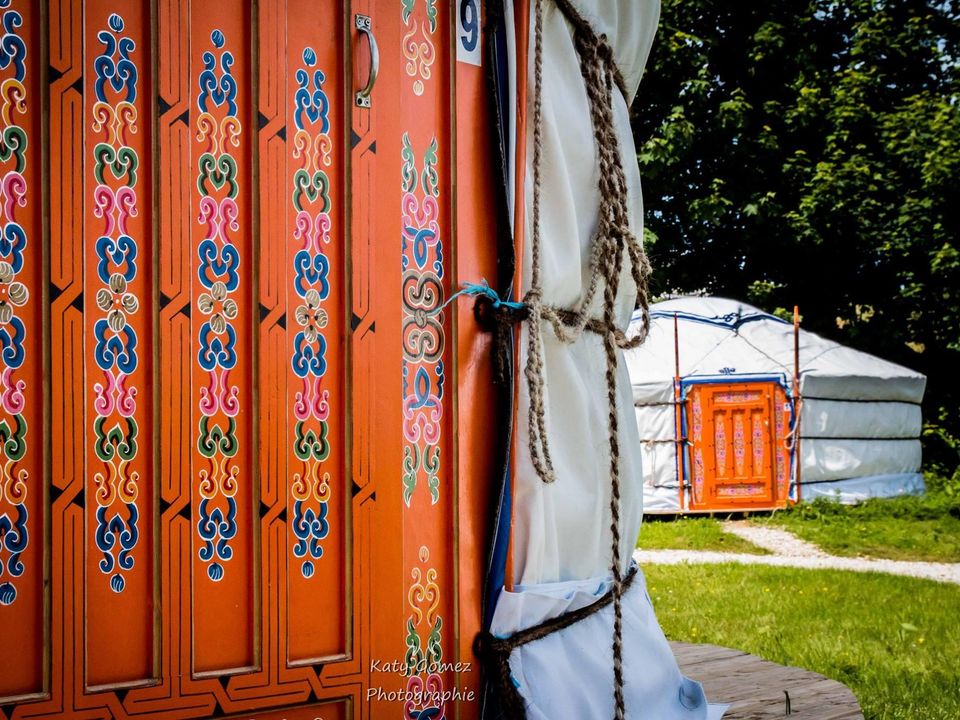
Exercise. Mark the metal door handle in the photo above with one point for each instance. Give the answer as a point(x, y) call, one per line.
point(365, 27)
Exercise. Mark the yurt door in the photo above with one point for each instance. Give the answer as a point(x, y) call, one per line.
point(736, 446)
point(227, 381)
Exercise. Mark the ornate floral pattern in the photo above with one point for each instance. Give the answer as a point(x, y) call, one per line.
point(739, 445)
point(424, 654)
point(758, 441)
point(418, 48)
point(697, 435)
point(720, 444)
point(698, 475)
point(423, 339)
point(219, 126)
point(117, 331)
point(740, 491)
point(737, 397)
point(781, 410)
point(310, 486)
point(14, 294)
point(423, 381)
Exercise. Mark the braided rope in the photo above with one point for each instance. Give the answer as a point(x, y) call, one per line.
point(539, 448)
point(612, 238)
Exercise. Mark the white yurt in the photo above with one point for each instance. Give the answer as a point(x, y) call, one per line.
point(716, 378)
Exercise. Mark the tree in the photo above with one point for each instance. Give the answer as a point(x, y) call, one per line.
point(808, 152)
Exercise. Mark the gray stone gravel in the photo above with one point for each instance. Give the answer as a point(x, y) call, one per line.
point(790, 551)
point(777, 541)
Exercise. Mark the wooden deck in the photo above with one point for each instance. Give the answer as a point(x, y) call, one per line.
point(757, 689)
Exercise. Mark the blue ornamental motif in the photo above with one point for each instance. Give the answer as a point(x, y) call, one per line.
point(121, 252)
point(216, 531)
point(116, 538)
point(115, 349)
point(11, 346)
point(214, 351)
point(312, 270)
point(310, 528)
point(310, 100)
point(13, 51)
point(217, 90)
point(423, 397)
point(13, 241)
point(219, 264)
point(307, 359)
point(13, 540)
point(113, 67)
point(423, 238)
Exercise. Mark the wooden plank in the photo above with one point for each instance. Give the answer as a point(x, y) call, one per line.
point(757, 689)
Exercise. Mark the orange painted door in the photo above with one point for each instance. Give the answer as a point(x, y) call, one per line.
point(737, 454)
point(230, 388)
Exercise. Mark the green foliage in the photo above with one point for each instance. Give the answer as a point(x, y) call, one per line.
point(893, 640)
point(945, 467)
point(807, 153)
point(692, 533)
point(904, 528)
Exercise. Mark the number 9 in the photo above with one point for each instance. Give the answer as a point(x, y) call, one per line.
point(470, 21)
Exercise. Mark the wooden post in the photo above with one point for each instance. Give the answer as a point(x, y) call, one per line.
point(797, 402)
point(678, 424)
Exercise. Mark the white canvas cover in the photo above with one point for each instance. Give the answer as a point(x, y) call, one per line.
point(860, 421)
point(561, 532)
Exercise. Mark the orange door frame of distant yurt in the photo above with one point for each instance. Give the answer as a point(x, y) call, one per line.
point(737, 445)
point(244, 441)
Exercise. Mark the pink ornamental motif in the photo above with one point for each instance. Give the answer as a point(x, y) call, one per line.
point(739, 444)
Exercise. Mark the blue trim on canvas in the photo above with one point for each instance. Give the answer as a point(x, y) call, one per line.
point(731, 321)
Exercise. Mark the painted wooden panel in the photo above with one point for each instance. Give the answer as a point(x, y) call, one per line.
point(22, 480)
point(252, 376)
point(222, 315)
point(119, 343)
point(738, 451)
point(316, 413)
point(428, 395)
point(66, 349)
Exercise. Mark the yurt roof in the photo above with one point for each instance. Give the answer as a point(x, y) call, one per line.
point(721, 338)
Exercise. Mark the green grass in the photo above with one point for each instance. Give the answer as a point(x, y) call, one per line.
point(691, 533)
point(894, 641)
point(907, 528)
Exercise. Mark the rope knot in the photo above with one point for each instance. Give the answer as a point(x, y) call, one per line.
point(496, 316)
point(492, 314)
point(534, 296)
point(494, 656)
point(489, 649)
point(604, 50)
point(623, 230)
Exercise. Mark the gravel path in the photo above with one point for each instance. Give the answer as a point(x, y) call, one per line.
point(790, 551)
point(779, 542)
